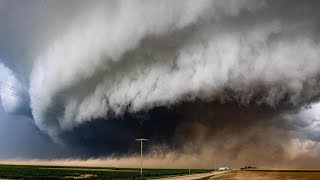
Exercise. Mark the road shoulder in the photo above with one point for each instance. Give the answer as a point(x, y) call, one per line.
point(193, 176)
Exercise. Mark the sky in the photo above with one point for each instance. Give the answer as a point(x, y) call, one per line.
point(233, 80)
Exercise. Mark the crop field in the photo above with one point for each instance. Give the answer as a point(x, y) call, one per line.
point(267, 174)
point(59, 172)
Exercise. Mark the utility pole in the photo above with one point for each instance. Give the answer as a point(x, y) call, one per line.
point(215, 159)
point(189, 163)
point(141, 147)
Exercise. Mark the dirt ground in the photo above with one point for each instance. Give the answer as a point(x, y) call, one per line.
point(253, 175)
point(194, 176)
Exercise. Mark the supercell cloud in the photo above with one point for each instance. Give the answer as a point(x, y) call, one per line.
point(102, 64)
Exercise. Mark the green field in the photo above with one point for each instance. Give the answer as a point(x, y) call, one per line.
point(59, 172)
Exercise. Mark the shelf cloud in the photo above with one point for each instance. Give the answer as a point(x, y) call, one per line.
point(88, 67)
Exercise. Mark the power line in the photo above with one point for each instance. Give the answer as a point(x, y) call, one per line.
point(21, 97)
point(10, 93)
point(25, 93)
point(25, 96)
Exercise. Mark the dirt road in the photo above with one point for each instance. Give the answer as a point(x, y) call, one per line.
point(251, 175)
point(193, 176)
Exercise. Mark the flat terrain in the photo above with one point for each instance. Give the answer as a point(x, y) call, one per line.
point(58, 172)
point(195, 176)
point(270, 175)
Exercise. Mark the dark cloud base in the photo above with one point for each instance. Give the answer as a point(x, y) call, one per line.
point(101, 137)
point(194, 125)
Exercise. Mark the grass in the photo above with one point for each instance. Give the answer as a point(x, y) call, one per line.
point(58, 172)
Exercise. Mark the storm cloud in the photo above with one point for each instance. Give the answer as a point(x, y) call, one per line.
point(96, 75)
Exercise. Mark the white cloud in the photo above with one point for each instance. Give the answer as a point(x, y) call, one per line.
point(135, 55)
point(8, 86)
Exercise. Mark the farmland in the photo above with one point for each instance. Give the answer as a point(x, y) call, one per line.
point(58, 172)
point(267, 174)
